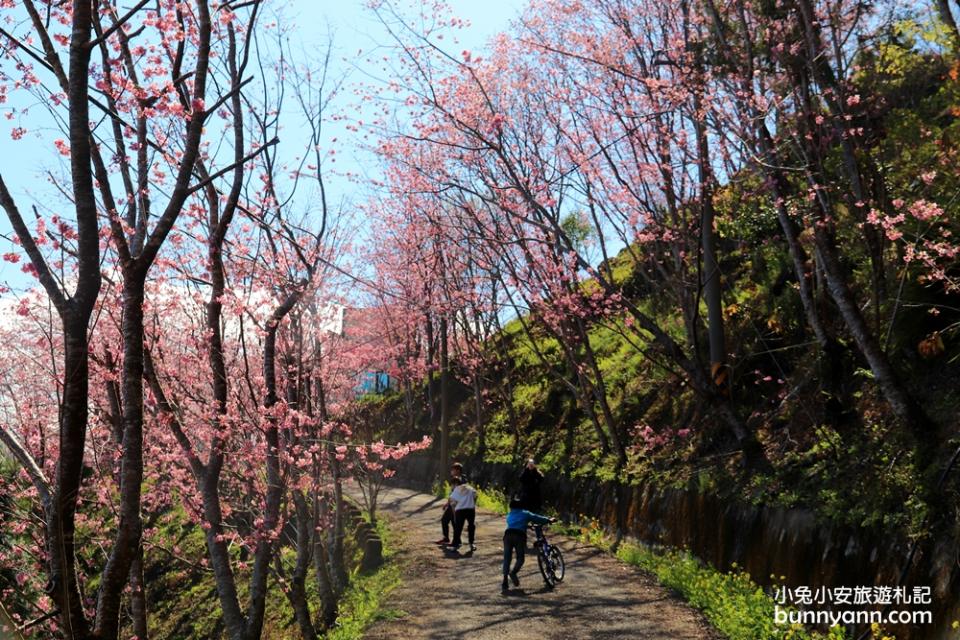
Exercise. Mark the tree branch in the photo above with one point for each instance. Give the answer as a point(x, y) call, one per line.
point(44, 274)
point(36, 474)
point(118, 24)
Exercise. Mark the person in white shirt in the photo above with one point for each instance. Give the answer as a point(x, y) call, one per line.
point(456, 472)
point(463, 499)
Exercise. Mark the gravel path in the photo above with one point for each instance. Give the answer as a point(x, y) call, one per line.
point(452, 596)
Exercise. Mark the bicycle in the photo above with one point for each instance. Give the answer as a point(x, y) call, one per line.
point(549, 558)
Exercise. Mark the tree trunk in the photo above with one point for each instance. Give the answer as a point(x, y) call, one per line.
point(893, 390)
point(64, 587)
point(797, 254)
point(74, 313)
point(338, 571)
point(408, 405)
point(297, 594)
point(321, 567)
point(219, 554)
point(478, 409)
point(764, 147)
point(431, 385)
point(818, 70)
point(209, 479)
point(263, 552)
point(719, 376)
point(599, 389)
point(138, 597)
point(116, 574)
point(444, 397)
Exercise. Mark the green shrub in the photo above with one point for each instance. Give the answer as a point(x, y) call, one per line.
point(363, 602)
point(494, 500)
point(736, 605)
point(732, 601)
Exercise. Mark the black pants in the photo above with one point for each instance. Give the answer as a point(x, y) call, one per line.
point(514, 541)
point(445, 521)
point(461, 516)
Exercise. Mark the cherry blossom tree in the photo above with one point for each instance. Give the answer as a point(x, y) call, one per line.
point(135, 47)
point(509, 133)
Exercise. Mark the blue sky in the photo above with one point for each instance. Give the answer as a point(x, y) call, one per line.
point(25, 163)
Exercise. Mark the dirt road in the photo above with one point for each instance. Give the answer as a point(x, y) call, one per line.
point(452, 596)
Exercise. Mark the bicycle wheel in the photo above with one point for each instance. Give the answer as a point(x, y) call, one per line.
point(544, 563)
point(557, 567)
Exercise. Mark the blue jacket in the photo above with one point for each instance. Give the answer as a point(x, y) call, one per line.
point(518, 519)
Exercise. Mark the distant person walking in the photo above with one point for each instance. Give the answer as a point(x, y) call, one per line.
point(456, 473)
point(530, 479)
point(515, 540)
point(464, 499)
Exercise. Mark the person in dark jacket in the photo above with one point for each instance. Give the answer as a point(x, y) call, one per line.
point(530, 480)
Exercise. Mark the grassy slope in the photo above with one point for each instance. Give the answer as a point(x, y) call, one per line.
point(194, 613)
point(853, 465)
